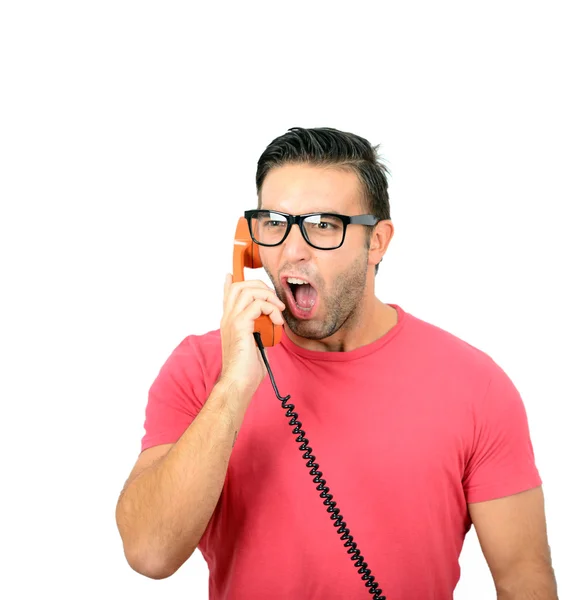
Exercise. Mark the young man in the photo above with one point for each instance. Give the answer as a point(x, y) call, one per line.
point(417, 433)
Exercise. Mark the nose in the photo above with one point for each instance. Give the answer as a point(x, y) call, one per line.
point(295, 246)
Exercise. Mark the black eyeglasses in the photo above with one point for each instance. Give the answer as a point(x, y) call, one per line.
point(323, 231)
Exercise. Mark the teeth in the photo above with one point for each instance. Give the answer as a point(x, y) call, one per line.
point(297, 281)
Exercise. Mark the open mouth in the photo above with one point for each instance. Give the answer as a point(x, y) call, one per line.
point(302, 298)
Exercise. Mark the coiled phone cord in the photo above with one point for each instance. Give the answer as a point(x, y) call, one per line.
point(335, 516)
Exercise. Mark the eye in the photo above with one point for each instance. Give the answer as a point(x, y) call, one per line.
point(272, 223)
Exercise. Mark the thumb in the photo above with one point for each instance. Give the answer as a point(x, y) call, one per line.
point(228, 281)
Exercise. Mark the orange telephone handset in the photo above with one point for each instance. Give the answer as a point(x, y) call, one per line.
point(246, 254)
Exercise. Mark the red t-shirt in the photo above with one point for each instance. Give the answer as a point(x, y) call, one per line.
point(406, 430)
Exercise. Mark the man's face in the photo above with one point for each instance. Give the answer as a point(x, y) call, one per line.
point(338, 276)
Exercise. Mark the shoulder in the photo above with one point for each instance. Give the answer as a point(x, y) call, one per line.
point(199, 345)
point(202, 344)
point(197, 357)
point(451, 359)
point(442, 342)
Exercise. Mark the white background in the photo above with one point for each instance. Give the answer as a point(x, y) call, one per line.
point(129, 136)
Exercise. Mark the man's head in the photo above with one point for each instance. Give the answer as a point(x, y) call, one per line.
point(325, 170)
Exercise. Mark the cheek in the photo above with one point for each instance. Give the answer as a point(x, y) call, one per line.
point(268, 261)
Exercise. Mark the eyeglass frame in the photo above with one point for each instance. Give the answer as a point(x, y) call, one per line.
point(299, 219)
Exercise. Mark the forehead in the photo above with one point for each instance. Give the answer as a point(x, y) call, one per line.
point(298, 189)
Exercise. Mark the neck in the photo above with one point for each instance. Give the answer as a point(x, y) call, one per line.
point(368, 322)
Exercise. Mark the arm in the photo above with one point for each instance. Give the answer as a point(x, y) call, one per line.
point(513, 537)
point(166, 504)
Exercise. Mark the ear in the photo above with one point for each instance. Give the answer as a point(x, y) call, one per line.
point(381, 236)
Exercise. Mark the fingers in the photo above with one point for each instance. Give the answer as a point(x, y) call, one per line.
point(262, 307)
point(251, 295)
point(238, 296)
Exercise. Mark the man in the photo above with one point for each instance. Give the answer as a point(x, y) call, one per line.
point(417, 433)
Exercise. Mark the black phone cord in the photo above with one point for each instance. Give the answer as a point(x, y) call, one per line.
point(335, 516)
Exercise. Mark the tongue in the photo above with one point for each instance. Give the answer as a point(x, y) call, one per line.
point(305, 295)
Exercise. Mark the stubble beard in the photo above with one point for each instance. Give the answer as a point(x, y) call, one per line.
point(338, 308)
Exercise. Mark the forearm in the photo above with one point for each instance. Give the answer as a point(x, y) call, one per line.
point(164, 511)
point(530, 582)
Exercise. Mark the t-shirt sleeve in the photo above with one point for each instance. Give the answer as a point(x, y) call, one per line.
point(501, 461)
point(175, 397)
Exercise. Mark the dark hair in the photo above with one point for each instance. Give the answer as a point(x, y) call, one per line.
point(324, 146)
